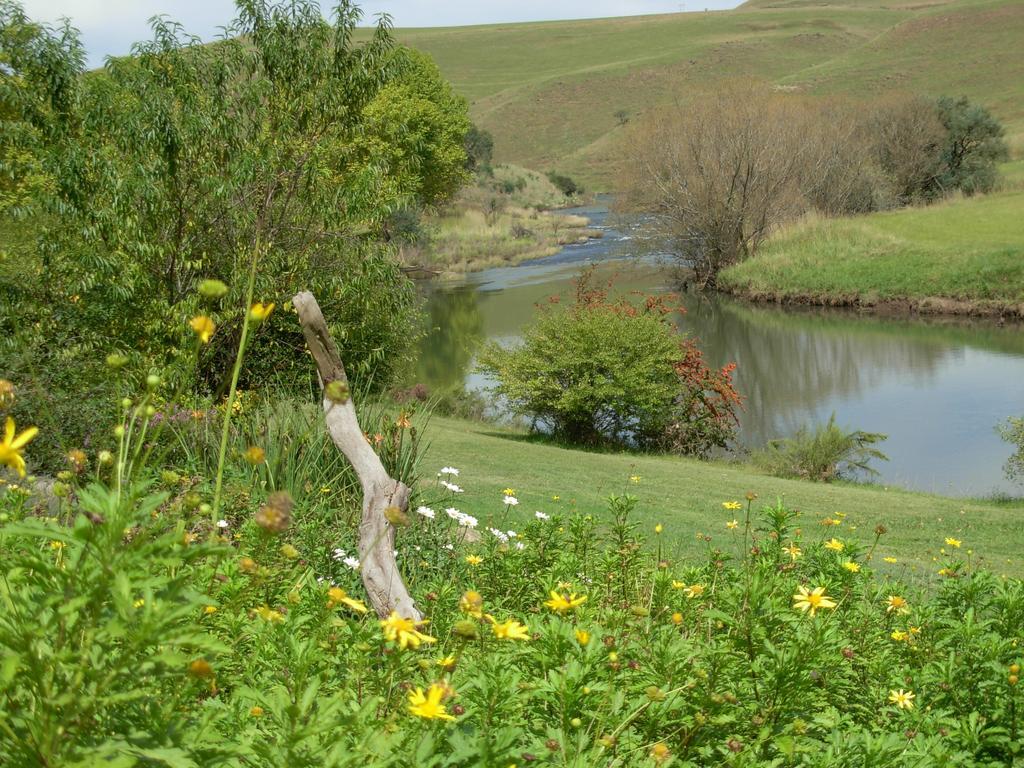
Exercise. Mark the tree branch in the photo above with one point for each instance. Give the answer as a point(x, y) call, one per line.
point(383, 582)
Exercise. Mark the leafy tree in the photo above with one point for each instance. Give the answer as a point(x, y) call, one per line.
point(605, 371)
point(479, 149)
point(278, 151)
point(417, 128)
point(974, 145)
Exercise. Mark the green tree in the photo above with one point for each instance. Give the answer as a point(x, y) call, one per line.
point(188, 161)
point(479, 150)
point(974, 146)
point(416, 128)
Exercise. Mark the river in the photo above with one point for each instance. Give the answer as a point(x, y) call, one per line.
point(937, 387)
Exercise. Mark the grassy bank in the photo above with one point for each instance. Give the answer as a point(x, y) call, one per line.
point(555, 94)
point(686, 496)
point(499, 219)
point(962, 255)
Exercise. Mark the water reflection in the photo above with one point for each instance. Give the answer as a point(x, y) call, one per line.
point(936, 388)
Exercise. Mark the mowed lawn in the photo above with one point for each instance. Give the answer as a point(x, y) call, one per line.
point(686, 497)
point(967, 249)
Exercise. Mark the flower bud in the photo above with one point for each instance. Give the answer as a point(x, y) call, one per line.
point(337, 392)
point(465, 629)
point(152, 381)
point(116, 361)
point(212, 289)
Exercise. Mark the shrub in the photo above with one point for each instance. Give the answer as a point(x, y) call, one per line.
point(609, 372)
point(827, 453)
point(565, 184)
point(1013, 433)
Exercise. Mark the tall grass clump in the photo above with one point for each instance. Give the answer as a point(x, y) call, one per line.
point(825, 453)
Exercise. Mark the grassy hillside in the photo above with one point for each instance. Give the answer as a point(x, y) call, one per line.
point(964, 249)
point(550, 91)
point(686, 496)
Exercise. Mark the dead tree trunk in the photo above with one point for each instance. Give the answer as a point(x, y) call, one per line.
point(383, 582)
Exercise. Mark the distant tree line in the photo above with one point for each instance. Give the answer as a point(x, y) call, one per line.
point(718, 174)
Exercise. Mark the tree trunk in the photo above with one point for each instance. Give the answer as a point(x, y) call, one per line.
point(383, 582)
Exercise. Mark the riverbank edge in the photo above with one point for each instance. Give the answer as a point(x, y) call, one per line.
point(573, 235)
point(938, 306)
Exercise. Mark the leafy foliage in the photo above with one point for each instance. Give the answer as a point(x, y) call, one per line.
point(973, 146)
point(606, 371)
point(1013, 432)
point(827, 453)
point(281, 150)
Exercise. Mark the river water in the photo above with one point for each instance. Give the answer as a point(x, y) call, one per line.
point(936, 387)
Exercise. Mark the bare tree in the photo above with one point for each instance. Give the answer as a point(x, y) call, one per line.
point(720, 173)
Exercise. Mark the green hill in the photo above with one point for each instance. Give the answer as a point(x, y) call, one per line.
point(550, 91)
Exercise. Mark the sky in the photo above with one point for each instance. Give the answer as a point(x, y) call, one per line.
point(109, 27)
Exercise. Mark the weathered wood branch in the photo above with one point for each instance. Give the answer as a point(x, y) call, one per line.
point(383, 582)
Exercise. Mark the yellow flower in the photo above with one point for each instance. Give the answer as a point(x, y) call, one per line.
point(835, 545)
point(896, 604)
point(289, 551)
point(899, 635)
point(338, 596)
point(447, 663)
point(732, 525)
point(208, 609)
point(429, 705)
point(953, 542)
point(509, 492)
point(139, 603)
point(678, 584)
point(259, 311)
point(401, 630)
point(677, 618)
point(56, 544)
point(851, 566)
point(694, 590)
point(256, 711)
point(203, 326)
point(659, 753)
point(10, 448)
point(269, 615)
point(889, 559)
point(247, 565)
point(560, 603)
point(793, 551)
point(902, 699)
point(659, 528)
point(474, 559)
point(812, 601)
point(511, 630)
point(472, 604)
point(200, 668)
point(403, 421)
point(634, 479)
point(255, 455)
point(582, 636)
point(732, 505)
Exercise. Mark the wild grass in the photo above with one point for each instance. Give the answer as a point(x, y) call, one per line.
point(967, 249)
point(499, 220)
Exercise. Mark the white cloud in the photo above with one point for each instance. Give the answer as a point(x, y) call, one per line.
point(109, 27)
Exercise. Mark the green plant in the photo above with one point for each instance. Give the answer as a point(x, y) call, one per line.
point(826, 453)
point(1012, 431)
point(603, 371)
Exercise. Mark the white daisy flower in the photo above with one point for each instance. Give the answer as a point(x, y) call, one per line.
point(511, 501)
point(339, 554)
point(222, 523)
point(449, 471)
point(425, 511)
point(352, 563)
point(451, 486)
point(541, 516)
